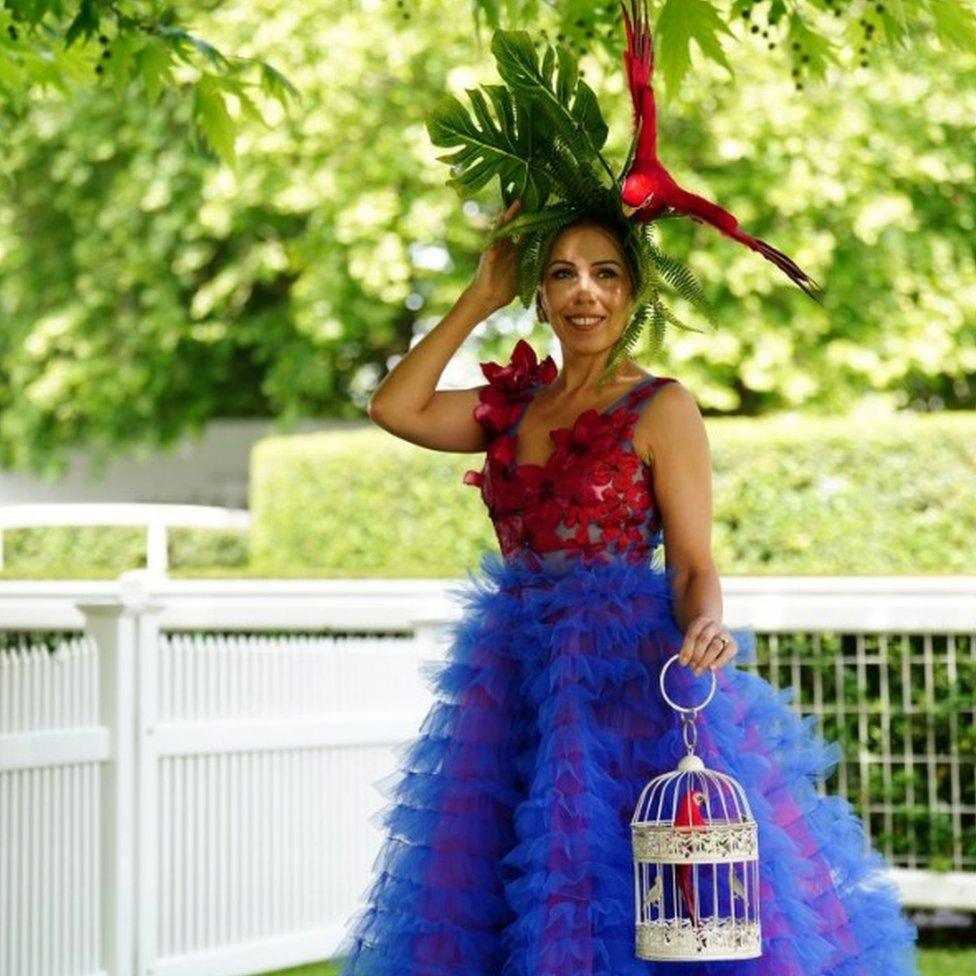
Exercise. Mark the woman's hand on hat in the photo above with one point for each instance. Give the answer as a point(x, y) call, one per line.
point(707, 644)
point(497, 276)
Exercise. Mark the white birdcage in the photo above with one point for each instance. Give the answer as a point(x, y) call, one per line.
point(696, 860)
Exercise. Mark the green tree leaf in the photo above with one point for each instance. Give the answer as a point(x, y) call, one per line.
point(955, 24)
point(213, 119)
point(680, 23)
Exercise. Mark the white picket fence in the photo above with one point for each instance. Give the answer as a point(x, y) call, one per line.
point(188, 768)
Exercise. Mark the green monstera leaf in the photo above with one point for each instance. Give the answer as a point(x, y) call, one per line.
point(537, 134)
point(555, 85)
point(502, 145)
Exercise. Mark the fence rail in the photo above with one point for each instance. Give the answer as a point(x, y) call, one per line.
point(188, 767)
point(157, 518)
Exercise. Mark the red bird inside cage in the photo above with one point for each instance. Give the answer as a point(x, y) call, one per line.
point(689, 814)
point(648, 190)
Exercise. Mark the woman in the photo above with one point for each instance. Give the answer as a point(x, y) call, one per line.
point(508, 848)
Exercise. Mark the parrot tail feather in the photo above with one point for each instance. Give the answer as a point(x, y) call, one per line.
point(789, 267)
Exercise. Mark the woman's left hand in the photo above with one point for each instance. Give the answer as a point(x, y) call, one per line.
point(703, 645)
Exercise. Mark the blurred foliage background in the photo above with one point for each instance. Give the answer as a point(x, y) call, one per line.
point(147, 286)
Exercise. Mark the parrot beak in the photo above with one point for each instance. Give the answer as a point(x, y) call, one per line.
point(627, 209)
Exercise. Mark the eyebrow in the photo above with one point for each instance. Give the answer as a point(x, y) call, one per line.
point(602, 261)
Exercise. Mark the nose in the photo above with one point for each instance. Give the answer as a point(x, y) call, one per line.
point(584, 289)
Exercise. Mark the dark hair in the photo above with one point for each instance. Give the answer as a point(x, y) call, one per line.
point(617, 230)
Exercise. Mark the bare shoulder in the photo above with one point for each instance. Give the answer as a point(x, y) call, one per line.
point(671, 418)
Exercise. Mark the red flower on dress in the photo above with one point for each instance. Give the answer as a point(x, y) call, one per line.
point(496, 411)
point(543, 504)
point(591, 480)
point(617, 467)
point(502, 399)
point(510, 532)
point(501, 451)
point(523, 370)
point(590, 436)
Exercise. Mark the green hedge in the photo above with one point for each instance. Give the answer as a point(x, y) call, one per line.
point(805, 496)
point(360, 502)
point(792, 496)
point(102, 552)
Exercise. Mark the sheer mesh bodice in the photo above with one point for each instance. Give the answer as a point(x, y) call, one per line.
point(592, 499)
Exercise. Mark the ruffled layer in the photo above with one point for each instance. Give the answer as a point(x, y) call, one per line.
point(508, 848)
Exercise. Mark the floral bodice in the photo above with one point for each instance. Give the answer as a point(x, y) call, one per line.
point(592, 499)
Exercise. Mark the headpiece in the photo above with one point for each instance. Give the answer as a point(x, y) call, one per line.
point(541, 134)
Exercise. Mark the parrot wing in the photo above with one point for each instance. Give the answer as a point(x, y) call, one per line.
point(639, 65)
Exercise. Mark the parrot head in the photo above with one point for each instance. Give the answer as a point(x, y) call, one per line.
point(690, 809)
point(636, 191)
point(697, 798)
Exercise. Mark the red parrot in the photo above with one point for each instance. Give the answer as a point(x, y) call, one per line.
point(689, 815)
point(648, 189)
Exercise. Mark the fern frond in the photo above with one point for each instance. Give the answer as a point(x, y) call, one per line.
point(571, 181)
point(658, 323)
point(684, 282)
point(625, 345)
point(553, 216)
point(674, 320)
point(532, 254)
point(639, 243)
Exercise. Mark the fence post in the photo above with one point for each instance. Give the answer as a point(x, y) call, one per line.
point(147, 785)
point(112, 624)
point(156, 546)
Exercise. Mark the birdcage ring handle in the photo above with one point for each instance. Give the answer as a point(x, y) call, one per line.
point(685, 708)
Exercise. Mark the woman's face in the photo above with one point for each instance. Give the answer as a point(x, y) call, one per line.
point(585, 278)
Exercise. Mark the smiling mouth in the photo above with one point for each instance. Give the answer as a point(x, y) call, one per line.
point(584, 322)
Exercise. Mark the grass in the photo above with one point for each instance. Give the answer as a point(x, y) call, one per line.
point(946, 962)
point(959, 961)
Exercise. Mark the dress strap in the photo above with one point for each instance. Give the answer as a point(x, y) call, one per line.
point(642, 394)
point(634, 391)
point(647, 388)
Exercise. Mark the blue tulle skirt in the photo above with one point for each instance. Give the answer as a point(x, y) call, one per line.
point(507, 836)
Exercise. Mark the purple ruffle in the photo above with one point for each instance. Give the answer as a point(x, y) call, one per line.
point(508, 848)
